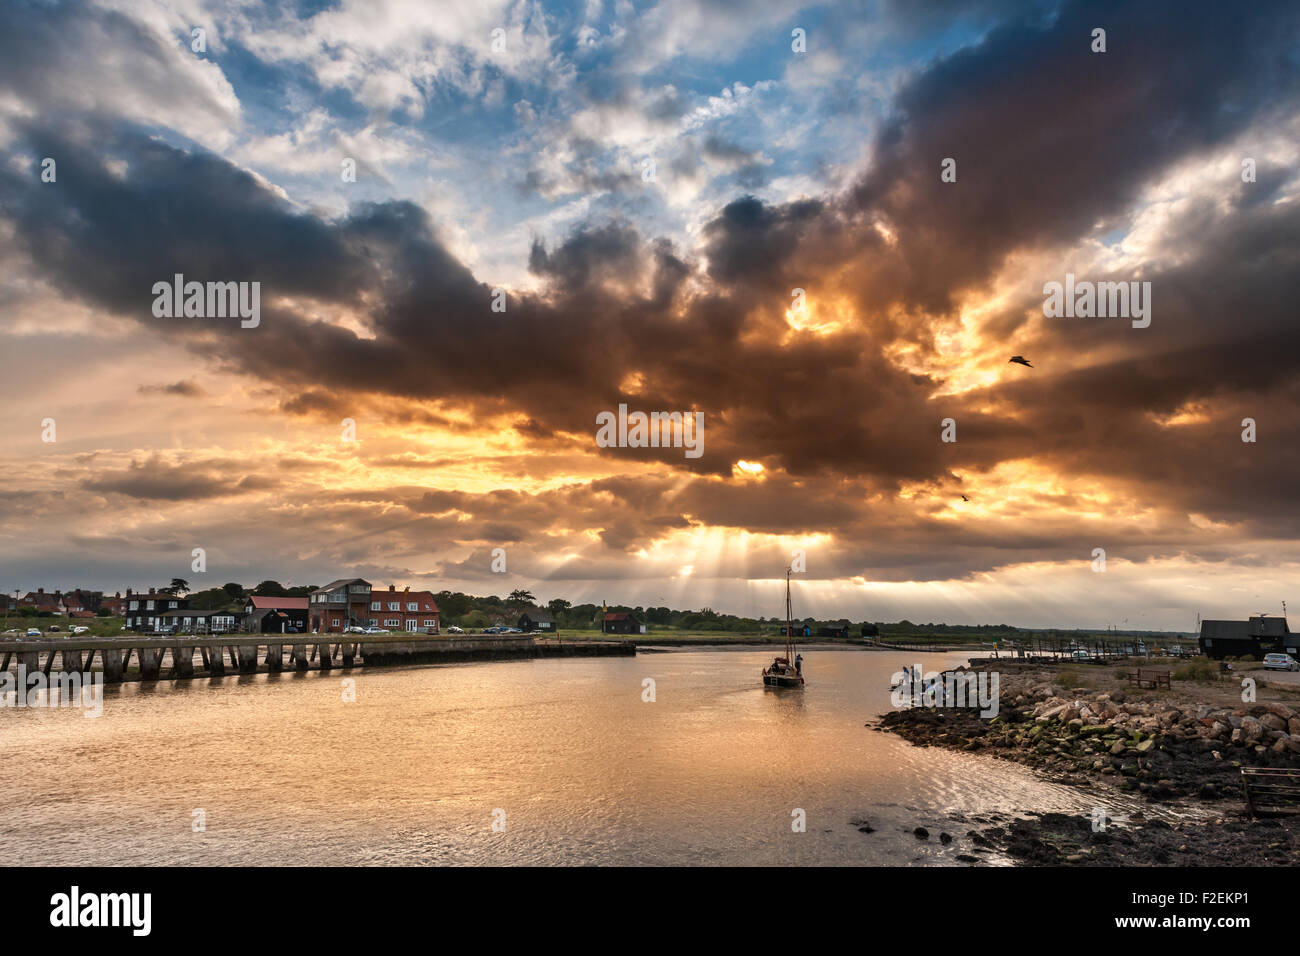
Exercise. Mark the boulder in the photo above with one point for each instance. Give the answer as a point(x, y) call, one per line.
point(1251, 729)
point(1272, 721)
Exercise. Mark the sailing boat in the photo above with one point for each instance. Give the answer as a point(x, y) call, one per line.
point(785, 671)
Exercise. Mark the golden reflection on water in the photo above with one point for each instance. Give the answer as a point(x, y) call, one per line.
point(585, 771)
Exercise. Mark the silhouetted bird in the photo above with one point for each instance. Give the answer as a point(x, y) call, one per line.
point(1019, 360)
point(964, 498)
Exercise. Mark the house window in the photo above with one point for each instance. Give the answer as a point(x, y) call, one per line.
point(375, 606)
point(135, 606)
point(374, 622)
point(430, 623)
point(393, 622)
point(148, 605)
point(336, 622)
point(171, 604)
point(412, 625)
point(412, 606)
point(394, 605)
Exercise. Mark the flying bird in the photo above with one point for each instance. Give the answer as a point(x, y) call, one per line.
point(1019, 360)
point(964, 498)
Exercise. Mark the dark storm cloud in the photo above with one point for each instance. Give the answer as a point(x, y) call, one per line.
point(1050, 137)
point(155, 479)
point(185, 389)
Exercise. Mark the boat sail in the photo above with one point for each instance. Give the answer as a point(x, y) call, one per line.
point(786, 671)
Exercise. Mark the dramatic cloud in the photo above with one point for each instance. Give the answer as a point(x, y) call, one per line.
point(826, 316)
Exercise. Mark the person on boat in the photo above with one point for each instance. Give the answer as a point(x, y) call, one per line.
point(798, 664)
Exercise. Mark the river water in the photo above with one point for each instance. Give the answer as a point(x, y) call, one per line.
point(563, 753)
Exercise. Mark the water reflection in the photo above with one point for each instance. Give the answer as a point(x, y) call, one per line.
point(584, 769)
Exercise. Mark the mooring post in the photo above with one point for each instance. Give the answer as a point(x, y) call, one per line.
point(112, 666)
point(300, 657)
point(247, 658)
point(349, 654)
point(326, 653)
point(71, 661)
point(183, 661)
point(274, 657)
point(216, 663)
point(150, 662)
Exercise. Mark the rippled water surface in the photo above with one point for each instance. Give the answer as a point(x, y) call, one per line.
point(584, 770)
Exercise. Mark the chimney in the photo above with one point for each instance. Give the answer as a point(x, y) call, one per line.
point(408, 589)
point(392, 587)
point(40, 590)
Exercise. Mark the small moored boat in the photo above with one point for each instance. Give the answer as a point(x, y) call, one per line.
point(786, 671)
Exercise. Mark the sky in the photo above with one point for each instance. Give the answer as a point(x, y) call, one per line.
point(826, 228)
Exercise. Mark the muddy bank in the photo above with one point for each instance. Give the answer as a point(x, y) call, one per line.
point(1181, 748)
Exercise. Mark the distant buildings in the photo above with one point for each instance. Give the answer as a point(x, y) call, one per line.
point(621, 622)
point(197, 622)
point(275, 615)
point(407, 610)
point(42, 600)
point(541, 621)
point(144, 608)
point(340, 604)
point(1254, 638)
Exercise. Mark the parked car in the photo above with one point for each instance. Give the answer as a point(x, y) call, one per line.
point(1281, 662)
point(1080, 655)
point(495, 629)
point(80, 630)
point(453, 629)
point(354, 629)
point(54, 628)
point(33, 632)
point(374, 630)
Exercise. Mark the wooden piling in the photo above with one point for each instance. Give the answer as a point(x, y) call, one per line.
point(247, 657)
point(274, 657)
point(150, 662)
point(216, 661)
point(300, 657)
point(113, 667)
point(182, 661)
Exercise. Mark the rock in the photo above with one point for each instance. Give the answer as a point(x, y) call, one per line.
point(945, 838)
point(1251, 729)
point(921, 833)
point(967, 858)
point(1146, 745)
point(1280, 746)
point(1118, 747)
point(1293, 726)
point(1273, 722)
point(1279, 710)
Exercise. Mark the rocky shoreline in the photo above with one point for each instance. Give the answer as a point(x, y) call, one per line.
point(1181, 748)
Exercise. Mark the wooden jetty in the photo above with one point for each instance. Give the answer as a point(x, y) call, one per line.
point(173, 656)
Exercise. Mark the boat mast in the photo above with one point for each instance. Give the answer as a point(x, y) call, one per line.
point(789, 627)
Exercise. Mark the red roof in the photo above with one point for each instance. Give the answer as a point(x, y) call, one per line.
point(617, 615)
point(278, 603)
